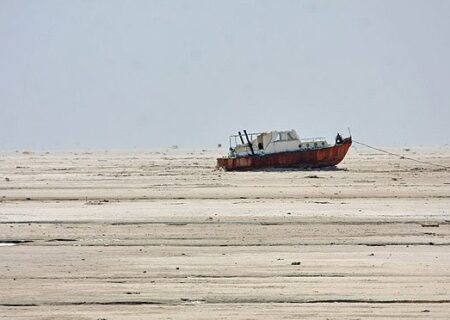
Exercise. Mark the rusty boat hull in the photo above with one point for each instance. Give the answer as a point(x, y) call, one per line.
point(312, 158)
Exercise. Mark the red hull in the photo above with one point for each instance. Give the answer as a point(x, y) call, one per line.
point(318, 158)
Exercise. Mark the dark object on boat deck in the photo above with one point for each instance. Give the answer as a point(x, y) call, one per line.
point(338, 139)
point(282, 149)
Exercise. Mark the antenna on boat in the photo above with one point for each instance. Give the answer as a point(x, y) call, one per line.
point(349, 132)
point(249, 143)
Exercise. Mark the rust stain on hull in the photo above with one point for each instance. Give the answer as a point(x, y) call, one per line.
point(316, 158)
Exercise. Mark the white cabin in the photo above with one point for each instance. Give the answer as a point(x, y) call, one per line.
point(275, 142)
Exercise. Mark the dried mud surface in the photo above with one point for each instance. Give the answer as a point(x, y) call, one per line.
point(163, 235)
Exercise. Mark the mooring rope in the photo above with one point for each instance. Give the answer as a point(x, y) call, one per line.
point(401, 156)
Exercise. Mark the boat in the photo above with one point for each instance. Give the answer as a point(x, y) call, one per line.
point(282, 149)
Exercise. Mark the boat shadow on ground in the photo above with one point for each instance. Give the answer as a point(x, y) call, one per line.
point(334, 168)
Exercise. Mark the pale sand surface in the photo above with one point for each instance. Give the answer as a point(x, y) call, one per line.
point(162, 235)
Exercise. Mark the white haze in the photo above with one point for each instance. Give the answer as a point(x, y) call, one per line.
point(149, 74)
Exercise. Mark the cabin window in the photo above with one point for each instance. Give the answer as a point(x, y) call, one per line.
point(299, 145)
point(323, 143)
point(284, 136)
point(307, 145)
point(278, 138)
point(260, 146)
point(315, 144)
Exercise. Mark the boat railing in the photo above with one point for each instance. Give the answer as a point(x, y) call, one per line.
point(236, 139)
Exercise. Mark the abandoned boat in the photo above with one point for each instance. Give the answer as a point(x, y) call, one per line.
point(282, 149)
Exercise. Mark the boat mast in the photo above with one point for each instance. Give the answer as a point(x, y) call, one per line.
point(240, 136)
point(249, 143)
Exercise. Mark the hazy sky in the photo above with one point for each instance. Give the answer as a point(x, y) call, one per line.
point(147, 74)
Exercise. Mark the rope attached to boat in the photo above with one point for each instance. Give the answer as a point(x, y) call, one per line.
point(401, 156)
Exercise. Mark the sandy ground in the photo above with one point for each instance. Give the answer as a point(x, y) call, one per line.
point(162, 235)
